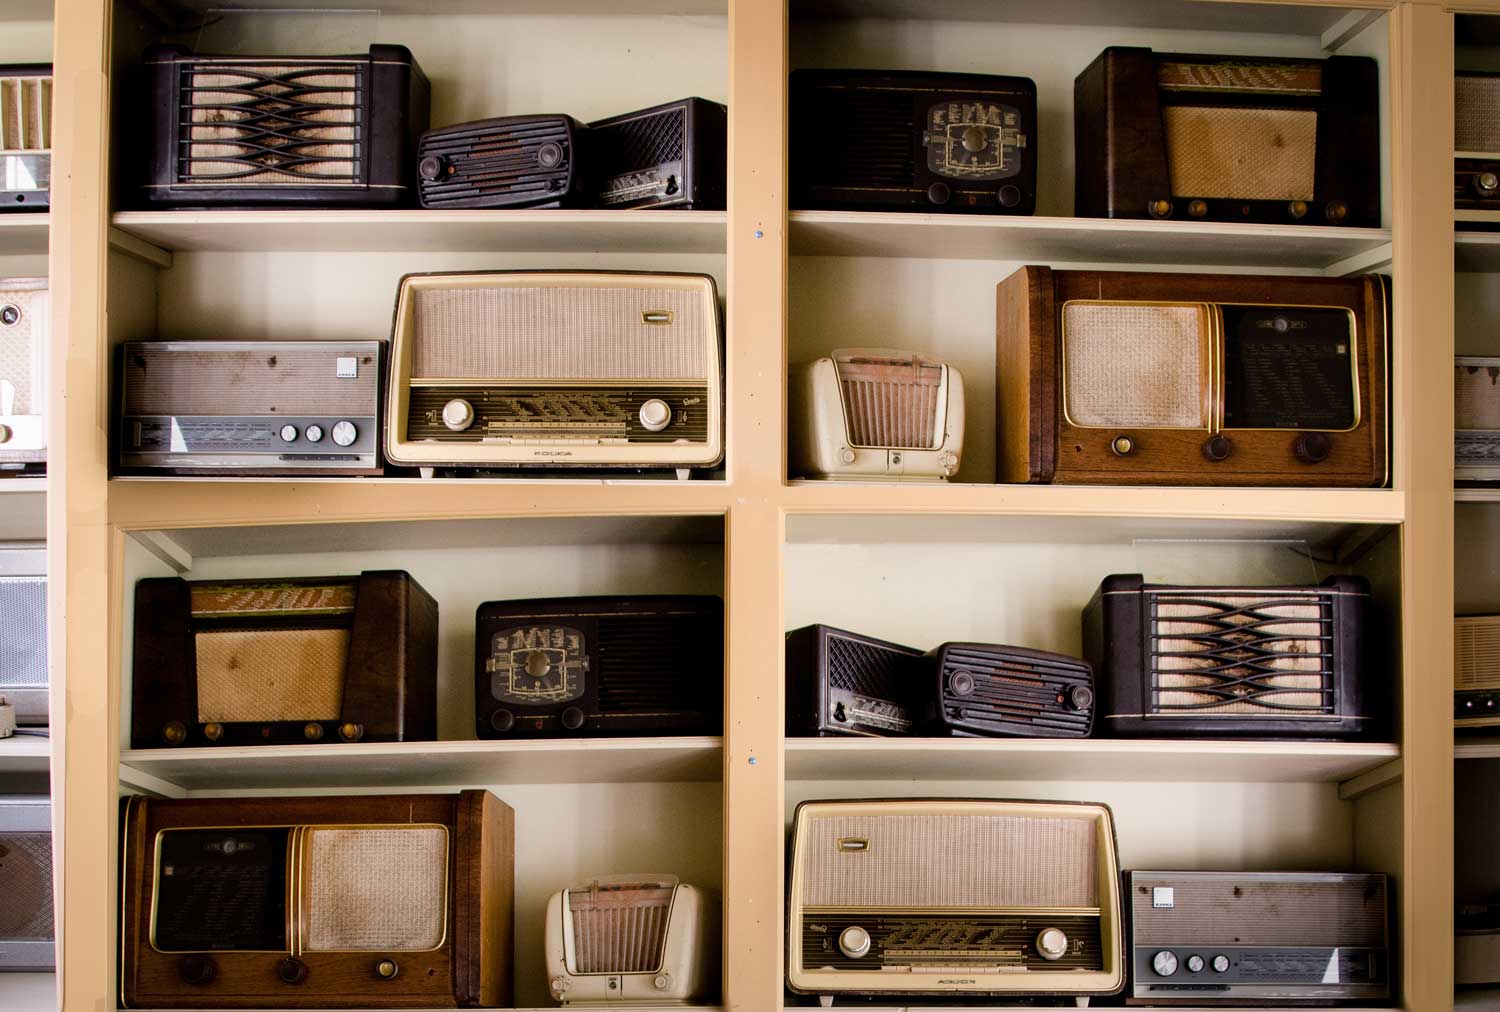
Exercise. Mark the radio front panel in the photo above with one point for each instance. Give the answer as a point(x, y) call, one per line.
point(670, 155)
point(1476, 670)
point(840, 682)
point(1003, 691)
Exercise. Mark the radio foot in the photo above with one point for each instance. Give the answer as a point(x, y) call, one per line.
point(825, 1000)
point(1082, 1001)
point(683, 474)
point(427, 472)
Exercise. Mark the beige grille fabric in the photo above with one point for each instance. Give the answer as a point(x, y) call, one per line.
point(220, 133)
point(1301, 685)
point(1476, 396)
point(950, 861)
point(162, 379)
point(26, 886)
point(25, 113)
point(1476, 114)
point(544, 332)
point(890, 403)
point(619, 930)
point(19, 350)
point(377, 889)
point(1222, 910)
point(1134, 366)
point(1476, 652)
point(1241, 154)
point(271, 674)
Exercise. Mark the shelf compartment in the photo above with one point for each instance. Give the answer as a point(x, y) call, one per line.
point(1477, 252)
point(1335, 251)
point(1477, 746)
point(25, 753)
point(24, 234)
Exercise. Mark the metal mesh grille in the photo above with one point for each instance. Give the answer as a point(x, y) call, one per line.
point(619, 929)
point(271, 674)
point(1476, 113)
point(563, 332)
point(168, 379)
point(26, 885)
point(644, 142)
point(377, 889)
point(890, 401)
point(21, 346)
point(1134, 366)
point(23, 644)
point(25, 113)
point(865, 668)
point(1476, 652)
point(950, 861)
point(250, 124)
point(1241, 154)
point(1476, 395)
point(1230, 653)
point(1223, 909)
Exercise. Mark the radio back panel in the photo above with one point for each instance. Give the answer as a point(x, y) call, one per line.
point(27, 935)
point(25, 137)
point(23, 617)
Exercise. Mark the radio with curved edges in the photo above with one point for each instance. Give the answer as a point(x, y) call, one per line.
point(556, 369)
point(25, 329)
point(1476, 140)
point(508, 161)
point(25, 137)
point(28, 941)
point(1114, 377)
point(840, 682)
point(394, 901)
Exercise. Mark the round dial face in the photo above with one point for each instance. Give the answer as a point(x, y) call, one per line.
point(536, 664)
point(974, 140)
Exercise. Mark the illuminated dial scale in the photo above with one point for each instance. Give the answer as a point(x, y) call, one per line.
point(974, 140)
point(537, 664)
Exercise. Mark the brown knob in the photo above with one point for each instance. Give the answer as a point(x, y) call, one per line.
point(1217, 447)
point(1486, 183)
point(213, 732)
point(938, 193)
point(197, 970)
point(502, 720)
point(351, 732)
point(174, 733)
point(312, 731)
point(1297, 209)
point(1336, 210)
point(1197, 208)
point(1123, 446)
point(1312, 447)
point(386, 969)
point(1160, 208)
point(291, 970)
point(572, 718)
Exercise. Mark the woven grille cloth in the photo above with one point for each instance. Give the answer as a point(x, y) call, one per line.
point(1302, 683)
point(178, 381)
point(26, 886)
point(18, 348)
point(1476, 652)
point(25, 113)
point(377, 889)
point(1134, 366)
point(222, 102)
point(23, 632)
point(558, 333)
point(1242, 154)
point(888, 403)
point(1476, 396)
point(1223, 910)
point(271, 674)
point(619, 930)
point(1476, 113)
point(950, 860)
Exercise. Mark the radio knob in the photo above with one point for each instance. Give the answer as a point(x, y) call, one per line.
point(458, 414)
point(1160, 208)
point(387, 969)
point(213, 731)
point(1336, 210)
point(1297, 209)
point(962, 683)
point(288, 433)
point(314, 433)
point(948, 461)
point(1312, 447)
point(1010, 195)
point(549, 155)
point(291, 970)
point(1217, 448)
point(1052, 943)
point(1080, 697)
point(1123, 446)
point(431, 167)
point(662, 981)
point(656, 414)
point(572, 718)
point(351, 731)
point(1197, 208)
point(344, 433)
point(1194, 963)
point(1220, 964)
point(10, 315)
point(938, 193)
point(1164, 963)
point(197, 970)
point(854, 941)
point(174, 732)
point(5, 433)
point(1486, 183)
point(502, 720)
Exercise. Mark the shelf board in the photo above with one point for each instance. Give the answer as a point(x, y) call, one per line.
point(549, 231)
point(24, 233)
point(23, 509)
point(1087, 241)
point(1483, 999)
point(1476, 494)
point(428, 764)
point(939, 759)
point(28, 992)
point(1477, 746)
point(23, 485)
point(25, 753)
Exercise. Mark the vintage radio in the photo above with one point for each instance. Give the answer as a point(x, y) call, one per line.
point(272, 661)
point(512, 161)
point(25, 137)
point(23, 630)
point(1476, 944)
point(25, 330)
point(1216, 661)
point(27, 938)
point(607, 666)
point(1000, 691)
point(840, 682)
point(1228, 138)
point(873, 413)
point(633, 940)
point(265, 408)
point(1476, 421)
point(1476, 139)
point(1258, 938)
point(1191, 379)
point(265, 131)
point(670, 155)
point(902, 897)
point(605, 369)
point(380, 901)
point(892, 140)
point(1476, 671)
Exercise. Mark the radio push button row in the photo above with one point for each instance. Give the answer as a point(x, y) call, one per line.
point(656, 415)
point(1164, 963)
point(1312, 447)
point(572, 718)
point(314, 433)
point(344, 433)
point(938, 193)
point(458, 414)
point(1221, 964)
point(1217, 448)
point(197, 970)
point(1052, 943)
point(291, 970)
point(854, 941)
point(289, 433)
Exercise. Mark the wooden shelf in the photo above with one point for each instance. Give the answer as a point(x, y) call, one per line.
point(1335, 251)
point(24, 753)
point(1476, 494)
point(24, 233)
point(1477, 746)
point(424, 764)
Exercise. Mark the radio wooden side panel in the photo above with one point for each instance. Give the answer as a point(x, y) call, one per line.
point(1026, 377)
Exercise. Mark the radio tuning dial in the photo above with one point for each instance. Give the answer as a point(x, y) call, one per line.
point(458, 414)
point(1052, 943)
point(288, 433)
point(1080, 697)
point(431, 167)
point(656, 414)
point(854, 941)
point(1164, 963)
point(1312, 447)
point(344, 433)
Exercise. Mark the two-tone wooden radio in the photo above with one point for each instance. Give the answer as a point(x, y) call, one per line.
point(25, 137)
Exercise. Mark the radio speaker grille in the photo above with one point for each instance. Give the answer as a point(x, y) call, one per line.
point(1476, 394)
point(1222, 909)
point(619, 930)
point(1241, 154)
point(25, 113)
point(1476, 652)
point(499, 160)
point(252, 124)
point(866, 668)
point(271, 674)
point(377, 889)
point(1476, 113)
point(959, 861)
point(23, 648)
point(890, 403)
point(643, 660)
point(21, 346)
point(1134, 366)
point(168, 379)
point(642, 143)
point(1241, 654)
point(26, 884)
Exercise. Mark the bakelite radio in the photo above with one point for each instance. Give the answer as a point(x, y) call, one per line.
point(25, 137)
point(508, 161)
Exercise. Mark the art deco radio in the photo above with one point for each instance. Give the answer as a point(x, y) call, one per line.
point(25, 327)
point(1257, 938)
point(511, 161)
point(23, 630)
point(1476, 418)
point(27, 937)
point(1476, 140)
point(670, 155)
point(890, 140)
point(605, 369)
point(1228, 138)
point(840, 682)
point(381, 901)
point(1476, 671)
point(633, 940)
point(874, 413)
point(1002, 691)
point(25, 137)
point(266, 131)
point(1110, 377)
point(247, 662)
point(606, 666)
point(1217, 661)
point(902, 897)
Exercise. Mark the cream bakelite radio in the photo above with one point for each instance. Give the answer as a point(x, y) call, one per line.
point(1476, 671)
point(872, 413)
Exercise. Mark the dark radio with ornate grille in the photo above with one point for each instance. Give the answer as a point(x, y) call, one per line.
point(1002, 691)
point(671, 155)
point(509, 161)
point(608, 666)
point(840, 682)
point(263, 131)
point(1234, 661)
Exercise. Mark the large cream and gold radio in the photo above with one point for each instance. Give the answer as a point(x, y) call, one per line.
point(1476, 671)
point(601, 369)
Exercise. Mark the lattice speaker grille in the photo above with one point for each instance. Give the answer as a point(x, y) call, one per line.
point(1134, 366)
point(1241, 154)
point(643, 142)
point(374, 890)
point(867, 668)
point(1476, 652)
point(26, 885)
point(619, 930)
point(1476, 395)
point(890, 402)
point(25, 113)
point(271, 674)
point(1476, 113)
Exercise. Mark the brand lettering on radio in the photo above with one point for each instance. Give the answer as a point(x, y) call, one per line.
point(957, 980)
point(553, 453)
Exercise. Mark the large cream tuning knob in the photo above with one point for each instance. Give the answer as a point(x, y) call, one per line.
point(1052, 943)
point(655, 414)
point(854, 941)
point(458, 414)
point(345, 433)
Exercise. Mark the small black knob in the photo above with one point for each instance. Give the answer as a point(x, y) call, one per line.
point(9, 315)
point(1010, 195)
point(1312, 447)
point(572, 718)
point(197, 970)
point(840, 714)
point(1080, 697)
point(502, 720)
point(938, 193)
point(962, 683)
point(291, 970)
point(431, 167)
point(549, 155)
point(1217, 447)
